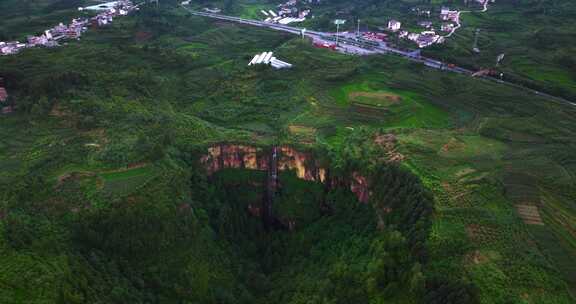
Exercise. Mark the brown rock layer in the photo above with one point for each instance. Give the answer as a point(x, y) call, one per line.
point(235, 156)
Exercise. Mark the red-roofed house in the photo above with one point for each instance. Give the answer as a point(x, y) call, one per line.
point(3, 95)
point(4, 108)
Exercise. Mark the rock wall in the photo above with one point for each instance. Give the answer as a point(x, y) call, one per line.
point(224, 156)
point(303, 163)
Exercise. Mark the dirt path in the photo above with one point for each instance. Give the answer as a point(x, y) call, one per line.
point(459, 24)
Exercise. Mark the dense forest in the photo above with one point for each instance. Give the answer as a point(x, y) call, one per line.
point(103, 198)
point(208, 248)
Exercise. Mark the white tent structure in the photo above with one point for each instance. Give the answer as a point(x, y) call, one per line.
point(269, 59)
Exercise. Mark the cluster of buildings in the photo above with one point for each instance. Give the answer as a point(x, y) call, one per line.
point(449, 19)
point(268, 58)
point(287, 13)
point(213, 10)
point(449, 15)
point(428, 37)
point(324, 45)
point(74, 30)
point(423, 39)
point(374, 36)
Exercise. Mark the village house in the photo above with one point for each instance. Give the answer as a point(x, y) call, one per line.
point(212, 10)
point(59, 31)
point(372, 36)
point(3, 93)
point(11, 48)
point(427, 39)
point(72, 31)
point(447, 15)
point(413, 36)
point(37, 40)
point(447, 27)
point(394, 25)
point(421, 12)
point(4, 107)
point(425, 24)
point(285, 11)
point(288, 3)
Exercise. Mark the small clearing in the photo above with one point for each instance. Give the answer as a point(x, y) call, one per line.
point(143, 36)
point(377, 99)
point(529, 214)
point(453, 145)
point(301, 130)
point(481, 233)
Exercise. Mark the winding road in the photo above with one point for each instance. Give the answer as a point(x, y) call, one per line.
point(351, 45)
point(459, 24)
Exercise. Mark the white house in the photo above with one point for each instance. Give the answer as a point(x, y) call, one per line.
point(394, 25)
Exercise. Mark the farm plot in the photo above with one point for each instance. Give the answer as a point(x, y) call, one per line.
point(303, 133)
point(529, 214)
point(373, 102)
point(121, 183)
point(374, 99)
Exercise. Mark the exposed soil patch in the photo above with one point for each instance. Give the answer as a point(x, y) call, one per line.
point(475, 257)
point(388, 143)
point(307, 134)
point(453, 145)
point(529, 214)
point(129, 167)
point(72, 176)
point(378, 99)
point(58, 111)
point(481, 233)
point(465, 172)
point(143, 36)
point(301, 129)
point(367, 111)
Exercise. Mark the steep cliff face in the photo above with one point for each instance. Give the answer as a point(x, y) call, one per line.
point(303, 163)
point(235, 156)
point(359, 186)
point(225, 156)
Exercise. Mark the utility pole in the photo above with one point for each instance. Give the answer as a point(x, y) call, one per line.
point(337, 32)
point(499, 59)
point(338, 22)
point(358, 29)
point(475, 46)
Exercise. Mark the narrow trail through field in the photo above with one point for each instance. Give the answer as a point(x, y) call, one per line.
point(459, 23)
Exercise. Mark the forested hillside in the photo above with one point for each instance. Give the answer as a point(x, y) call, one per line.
point(104, 199)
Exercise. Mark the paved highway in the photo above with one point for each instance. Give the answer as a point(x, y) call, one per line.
point(381, 48)
point(351, 45)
